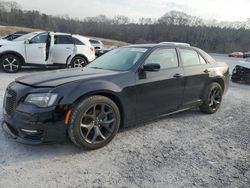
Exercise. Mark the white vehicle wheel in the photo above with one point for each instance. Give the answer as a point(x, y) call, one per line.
point(78, 61)
point(10, 63)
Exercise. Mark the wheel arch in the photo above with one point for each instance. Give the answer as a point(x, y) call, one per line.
point(220, 81)
point(13, 53)
point(70, 59)
point(109, 94)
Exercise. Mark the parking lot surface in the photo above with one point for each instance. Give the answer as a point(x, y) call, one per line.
point(189, 149)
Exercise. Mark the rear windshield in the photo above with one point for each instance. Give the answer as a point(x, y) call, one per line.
point(206, 56)
point(94, 41)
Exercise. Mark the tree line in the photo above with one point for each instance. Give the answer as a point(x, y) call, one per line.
point(173, 26)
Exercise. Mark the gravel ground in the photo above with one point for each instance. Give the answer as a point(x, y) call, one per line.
point(189, 149)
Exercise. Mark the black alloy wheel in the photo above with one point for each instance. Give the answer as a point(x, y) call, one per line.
point(94, 122)
point(213, 98)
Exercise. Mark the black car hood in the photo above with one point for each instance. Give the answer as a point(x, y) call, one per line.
point(59, 77)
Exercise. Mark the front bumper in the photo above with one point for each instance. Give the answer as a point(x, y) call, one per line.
point(30, 124)
point(33, 132)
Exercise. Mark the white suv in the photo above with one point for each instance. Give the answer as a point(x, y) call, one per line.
point(45, 48)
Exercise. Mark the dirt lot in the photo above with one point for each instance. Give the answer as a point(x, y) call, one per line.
point(189, 149)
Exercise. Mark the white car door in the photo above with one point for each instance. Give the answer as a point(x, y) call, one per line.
point(36, 49)
point(63, 47)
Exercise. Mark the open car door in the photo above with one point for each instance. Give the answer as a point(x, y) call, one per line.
point(36, 49)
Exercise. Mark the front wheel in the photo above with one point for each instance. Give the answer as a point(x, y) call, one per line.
point(94, 122)
point(78, 61)
point(10, 63)
point(212, 99)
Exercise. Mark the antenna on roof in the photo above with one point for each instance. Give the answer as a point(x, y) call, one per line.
point(175, 43)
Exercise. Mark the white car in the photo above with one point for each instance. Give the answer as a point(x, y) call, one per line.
point(45, 48)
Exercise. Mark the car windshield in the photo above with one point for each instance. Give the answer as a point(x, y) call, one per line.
point(25, 37)
point(120, 59)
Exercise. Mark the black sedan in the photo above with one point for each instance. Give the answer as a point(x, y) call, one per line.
point(125, 87)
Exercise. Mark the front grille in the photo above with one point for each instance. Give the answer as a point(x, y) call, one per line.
point(10, 101)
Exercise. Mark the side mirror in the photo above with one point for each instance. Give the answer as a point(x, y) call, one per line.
point(152, 67)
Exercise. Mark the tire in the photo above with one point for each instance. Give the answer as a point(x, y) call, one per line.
point(94, 122)
point(10, 63)
point(212, 98)
point(78, 61)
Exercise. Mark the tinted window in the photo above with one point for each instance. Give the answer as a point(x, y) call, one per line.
point(41, 38)
point(189, 57)
point(120, 59)
point(94, 41)
point(63, 39)
point(167, 58)
point(77, 41)
point(205, 55)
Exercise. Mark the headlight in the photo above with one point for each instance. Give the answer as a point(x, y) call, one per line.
point(41, 99)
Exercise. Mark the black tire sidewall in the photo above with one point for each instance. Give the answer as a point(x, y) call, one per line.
point(205, 106)
point(78, 57)
point(76, 115)
point(12, 56)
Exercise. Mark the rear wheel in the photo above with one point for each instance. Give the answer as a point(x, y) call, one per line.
point(212, 99)
point(78, 61)
point(10, 63)
point(94, 122)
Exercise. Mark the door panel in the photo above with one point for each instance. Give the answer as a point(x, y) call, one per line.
point(36, 49)
point(196, 76)
point(160, 92)
point(63, 47)
point(196, 80)
point(36, 53)
point(61, 52)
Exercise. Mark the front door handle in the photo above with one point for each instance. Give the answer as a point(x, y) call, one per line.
point(178, 75)
point(41, 47)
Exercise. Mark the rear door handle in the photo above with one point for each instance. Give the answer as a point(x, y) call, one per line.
point(178, 75)
point(41, 47)
point(68, 48)
point(206, 71)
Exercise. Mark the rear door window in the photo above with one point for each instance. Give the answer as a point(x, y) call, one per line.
point(167, 58)
point(189, 57)
point(202, 60)
point(63, 39)
point(77, 41)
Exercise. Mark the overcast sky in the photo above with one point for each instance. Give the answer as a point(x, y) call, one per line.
point(230, 10)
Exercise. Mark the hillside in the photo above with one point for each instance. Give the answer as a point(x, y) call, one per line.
point(9, 29)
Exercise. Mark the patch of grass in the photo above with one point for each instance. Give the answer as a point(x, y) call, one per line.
point(10, 29)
